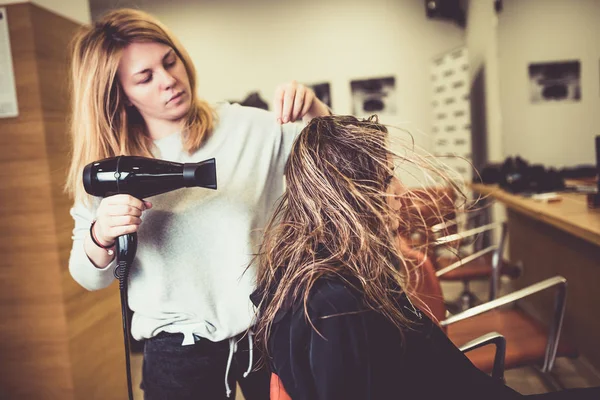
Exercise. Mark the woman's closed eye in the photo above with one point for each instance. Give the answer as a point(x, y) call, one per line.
point(170, 63)
point(390, 177)
point(388, 180)
point(167, 65)
point(147, 79)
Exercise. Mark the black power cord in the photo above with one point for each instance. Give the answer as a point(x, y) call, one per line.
point(126, 247)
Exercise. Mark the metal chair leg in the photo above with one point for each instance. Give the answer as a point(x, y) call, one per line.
point(466, 300)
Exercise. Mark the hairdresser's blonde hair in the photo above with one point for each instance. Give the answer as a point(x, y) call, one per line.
point(101, 125)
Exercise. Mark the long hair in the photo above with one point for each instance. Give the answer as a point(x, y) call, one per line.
point(101, 125)
point(333, 220)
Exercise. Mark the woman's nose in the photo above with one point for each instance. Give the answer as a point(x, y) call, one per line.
point(167, 79)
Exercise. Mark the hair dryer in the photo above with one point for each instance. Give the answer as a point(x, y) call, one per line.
point(141, 177)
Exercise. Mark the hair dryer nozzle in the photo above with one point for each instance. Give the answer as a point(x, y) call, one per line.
point(202, 174)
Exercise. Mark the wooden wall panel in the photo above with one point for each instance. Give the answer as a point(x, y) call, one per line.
point(94, 319)
point(57, 340)
point(33, 332)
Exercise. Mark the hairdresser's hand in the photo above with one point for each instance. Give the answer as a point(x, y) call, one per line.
point(294, 101)
point(118, 215)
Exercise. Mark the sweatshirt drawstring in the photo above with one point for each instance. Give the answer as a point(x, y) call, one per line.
point(250, 353)
point(232, 350)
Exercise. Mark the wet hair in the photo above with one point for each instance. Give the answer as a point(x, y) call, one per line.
point(334, 221)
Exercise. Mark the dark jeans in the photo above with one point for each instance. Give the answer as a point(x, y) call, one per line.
point(175, 372)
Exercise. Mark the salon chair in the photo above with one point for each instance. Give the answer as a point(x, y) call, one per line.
point(452, 240)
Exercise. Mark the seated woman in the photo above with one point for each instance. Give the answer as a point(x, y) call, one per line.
point(334, 293)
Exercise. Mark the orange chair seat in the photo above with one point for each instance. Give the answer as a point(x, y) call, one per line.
point(277, 391)
point(480, 268)
point(525, 338)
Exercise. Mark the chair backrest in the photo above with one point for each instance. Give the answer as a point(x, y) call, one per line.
point(423, 209)
point(428, 291)
point(439, 220)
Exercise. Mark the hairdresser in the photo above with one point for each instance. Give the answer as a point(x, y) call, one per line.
point(134, 93)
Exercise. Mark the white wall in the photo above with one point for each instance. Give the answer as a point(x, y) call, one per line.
point(481, 38)
point(76, 10)
point(240, 46)
point(554, 134)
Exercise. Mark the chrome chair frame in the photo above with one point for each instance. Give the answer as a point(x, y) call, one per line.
point(497, 249)
point(555, 328)
point(491, 338)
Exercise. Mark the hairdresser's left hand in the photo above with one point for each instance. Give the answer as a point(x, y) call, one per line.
point(294, 101)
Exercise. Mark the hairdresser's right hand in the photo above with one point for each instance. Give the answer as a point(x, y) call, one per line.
point(118, 215)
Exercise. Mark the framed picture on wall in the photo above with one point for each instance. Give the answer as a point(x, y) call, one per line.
point(558, 81)
point(322, 91)
point(374, 96)
point(253, 99)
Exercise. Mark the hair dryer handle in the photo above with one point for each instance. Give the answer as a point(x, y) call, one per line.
point(126, 246)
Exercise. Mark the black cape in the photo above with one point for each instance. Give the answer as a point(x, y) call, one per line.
point(357, 354)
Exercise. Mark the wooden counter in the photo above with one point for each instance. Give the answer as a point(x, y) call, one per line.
point(559, 238)
point(570, 214)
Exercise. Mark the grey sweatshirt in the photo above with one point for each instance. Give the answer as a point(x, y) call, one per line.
point(190, 273)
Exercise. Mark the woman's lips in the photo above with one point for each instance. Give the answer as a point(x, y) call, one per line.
point(175, 97)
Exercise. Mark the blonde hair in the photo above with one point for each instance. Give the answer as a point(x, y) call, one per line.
point(101, 125)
